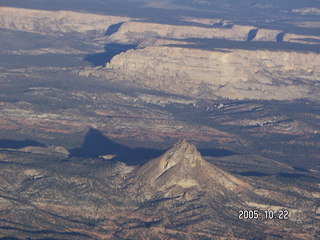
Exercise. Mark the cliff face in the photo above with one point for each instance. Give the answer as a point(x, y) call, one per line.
point(231, 73)
point(53, 22)
point(135, 32)
point(132, 31)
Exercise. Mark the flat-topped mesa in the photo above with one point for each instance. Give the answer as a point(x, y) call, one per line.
point(233, 73)
point(56, 22)
point(183, 166)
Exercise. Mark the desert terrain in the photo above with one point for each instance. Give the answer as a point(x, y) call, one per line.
point(159, 120)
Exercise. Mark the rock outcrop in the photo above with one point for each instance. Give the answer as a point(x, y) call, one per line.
point(58, 151)
point(133, 32)
point(55, 22)
point(183, 166)
point(232, 73)
point(307, 11)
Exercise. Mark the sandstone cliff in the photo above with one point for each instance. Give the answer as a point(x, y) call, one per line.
point(231, 73)
point(259, 74)
point(53, 22)
point(135, 32)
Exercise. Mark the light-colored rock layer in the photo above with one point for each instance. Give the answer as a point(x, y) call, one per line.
point(51, 22)
point(240, 74)
point(266, 35)
point(295, 38)
point(307, 11)
point(46, 151)
point(132, 32)
point(135, 32)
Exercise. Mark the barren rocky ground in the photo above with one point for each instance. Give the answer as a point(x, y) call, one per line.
point(92, 99)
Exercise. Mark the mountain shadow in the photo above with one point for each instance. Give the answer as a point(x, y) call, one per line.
point(96, 145)
point(15, 144)
point(110, 50)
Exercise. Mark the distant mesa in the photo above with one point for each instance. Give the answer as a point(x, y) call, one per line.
point(183, 166)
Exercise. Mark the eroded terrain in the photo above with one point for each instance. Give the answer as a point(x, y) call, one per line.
point(90, 102)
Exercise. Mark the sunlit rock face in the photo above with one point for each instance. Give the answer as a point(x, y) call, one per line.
point(55, 22)
point(234, 73)
point(183, 166)
point(135, 32)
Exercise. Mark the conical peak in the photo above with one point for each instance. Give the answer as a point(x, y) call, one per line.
point(183, 165)
point(183, 152)
point(183, 144)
